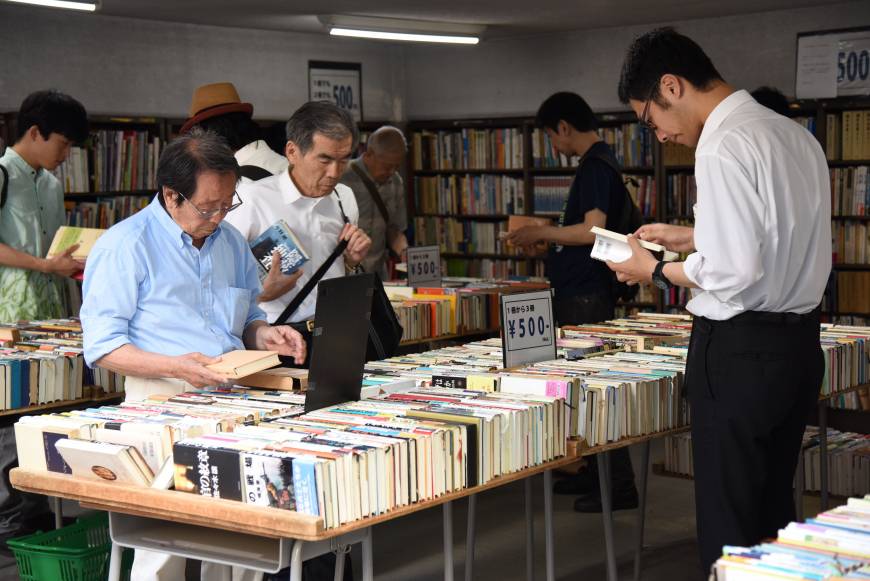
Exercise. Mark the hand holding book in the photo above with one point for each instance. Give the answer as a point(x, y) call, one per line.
point(63, 264)
point(672, 237)
point(276, 283)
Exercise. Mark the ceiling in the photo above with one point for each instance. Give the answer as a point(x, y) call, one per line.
point(502, 17)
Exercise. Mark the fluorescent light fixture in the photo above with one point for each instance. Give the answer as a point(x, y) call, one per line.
point(401, 29)
point(406, 36)
point(83, 6)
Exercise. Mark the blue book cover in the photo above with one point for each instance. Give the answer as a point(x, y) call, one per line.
point(279, 237)
point(17, 381)
point(305, 486)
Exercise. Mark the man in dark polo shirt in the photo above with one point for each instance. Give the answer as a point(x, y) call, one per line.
point(583, 287)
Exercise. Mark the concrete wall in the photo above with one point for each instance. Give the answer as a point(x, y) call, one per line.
point(122, 65)
point(512, 77)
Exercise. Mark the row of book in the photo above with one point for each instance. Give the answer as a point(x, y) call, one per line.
point(850, 291)
point(682, 195)
point(342, 463)
point(105, 212)
point(643, 191)
point(835, 545)
point(550, 193)
point(631, 145)
point(847, 357)
point(853, 128)
point(676, 154)
point(850, 191)
point(113, 160)
point(493, 267)
point(469, 194)
point(463, 236)
point(41, 362)
point(808, 123)
point(468, 149)
point(848, 460)
point(851, 242)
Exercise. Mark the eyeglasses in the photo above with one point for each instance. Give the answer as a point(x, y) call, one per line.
point(208, 214)
point(644, 116)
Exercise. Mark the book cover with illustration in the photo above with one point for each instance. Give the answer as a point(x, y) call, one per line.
point(279, 237)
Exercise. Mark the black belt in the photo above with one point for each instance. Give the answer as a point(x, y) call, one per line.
point(767, 318)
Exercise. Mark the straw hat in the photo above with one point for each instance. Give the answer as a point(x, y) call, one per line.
point(213, 100)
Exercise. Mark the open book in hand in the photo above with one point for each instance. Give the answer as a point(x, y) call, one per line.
point(614, 247)
point(279, 237)
point(67, 236)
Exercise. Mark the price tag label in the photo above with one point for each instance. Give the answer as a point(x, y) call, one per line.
point(424, 266)
point(527, 328)
point(853, 66)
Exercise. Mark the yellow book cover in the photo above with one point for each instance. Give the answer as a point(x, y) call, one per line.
point(67, 236)
point(242, 362)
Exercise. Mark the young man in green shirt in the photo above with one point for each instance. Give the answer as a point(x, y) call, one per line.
point(49, 123)
point(30, 284)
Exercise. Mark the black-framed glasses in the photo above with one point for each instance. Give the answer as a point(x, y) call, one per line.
point(644, 116)
point(208, 214)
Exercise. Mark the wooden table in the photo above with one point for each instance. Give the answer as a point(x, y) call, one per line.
point(267, 539)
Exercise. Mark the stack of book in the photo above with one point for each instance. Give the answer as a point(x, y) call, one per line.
point(847, 357)
point(835, 545)
point(468, 149)
point(104, 212)
point(423, 316)
point(493, 268)
point(850, 191)
point(678, 455)
point(469, 195)
point(682, 195)
point(461, 236)
point(41, 362)
point(848, 462)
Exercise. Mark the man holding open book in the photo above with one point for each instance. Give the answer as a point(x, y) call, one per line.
point(170, 289)
point(759, 259)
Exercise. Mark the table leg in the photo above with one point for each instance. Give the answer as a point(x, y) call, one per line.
point(447, 509)
point(799, 485)
point(57, 507)
point(296, 561)
point(549, 532)
point(470, 537)
point(641, 513)
point(604, 482)
point(115, 562)
point(367, 556)
point(530, 530)
point(823, 451)
point(339, 564)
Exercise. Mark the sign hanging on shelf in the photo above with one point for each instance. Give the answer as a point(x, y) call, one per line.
point(424, 266)
point(833, 63)
point(528, 333)
point(339, 83)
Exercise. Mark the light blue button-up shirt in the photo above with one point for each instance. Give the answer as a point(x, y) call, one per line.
point(146, 284)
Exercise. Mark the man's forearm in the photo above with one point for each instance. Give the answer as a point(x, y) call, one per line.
point(249, 337)
point(675, 273)
point(130, 360)
point(18, 259)
point(576, 235)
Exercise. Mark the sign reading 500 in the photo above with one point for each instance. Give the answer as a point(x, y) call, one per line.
point(853, 66)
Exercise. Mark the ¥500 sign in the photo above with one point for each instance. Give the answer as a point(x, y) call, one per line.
point(528, 332)
point(339, 83)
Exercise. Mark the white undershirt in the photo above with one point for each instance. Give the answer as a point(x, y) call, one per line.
point(763, 217)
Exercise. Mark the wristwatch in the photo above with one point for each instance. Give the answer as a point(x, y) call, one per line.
point(659, 279)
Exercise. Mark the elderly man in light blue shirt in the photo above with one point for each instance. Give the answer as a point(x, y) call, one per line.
point(170, 289)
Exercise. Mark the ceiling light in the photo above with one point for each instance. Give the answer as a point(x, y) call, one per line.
point(402, 29)
point(84, 6)
point(380, 35)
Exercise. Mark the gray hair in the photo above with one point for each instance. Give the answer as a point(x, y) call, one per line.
point(387, 139)
point(324, 118)
point(193, 153)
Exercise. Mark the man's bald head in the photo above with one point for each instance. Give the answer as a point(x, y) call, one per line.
point(385, 152)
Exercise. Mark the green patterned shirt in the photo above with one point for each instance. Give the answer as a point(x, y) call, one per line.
point(28, 221)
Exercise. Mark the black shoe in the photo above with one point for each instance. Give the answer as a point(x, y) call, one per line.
point(581, 483)
point(591, 503)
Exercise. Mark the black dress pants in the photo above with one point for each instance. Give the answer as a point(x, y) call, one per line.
point(752, 381)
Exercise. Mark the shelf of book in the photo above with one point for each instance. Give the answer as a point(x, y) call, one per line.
point(494, 171)
point(471, 255)
point(88, 195)
point(482, 217)
point(32, 409)
point(837, 266)
point(861, 218)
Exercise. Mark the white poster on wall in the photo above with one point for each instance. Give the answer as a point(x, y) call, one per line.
point(339, 83)
point(833, 63)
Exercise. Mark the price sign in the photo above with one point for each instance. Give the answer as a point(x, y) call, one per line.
point(833, 63)
point(527, 329)
point(853, 66)
point(339, 83)
point(424, 266)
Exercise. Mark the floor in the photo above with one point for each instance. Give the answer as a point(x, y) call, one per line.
point(411, 548)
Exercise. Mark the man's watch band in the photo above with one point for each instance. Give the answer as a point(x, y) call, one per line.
point(658, 277)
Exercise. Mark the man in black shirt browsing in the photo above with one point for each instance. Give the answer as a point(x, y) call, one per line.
point(583, 287)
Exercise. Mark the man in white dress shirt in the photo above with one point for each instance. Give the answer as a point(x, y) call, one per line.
point(759, 258)
point(320, 211)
